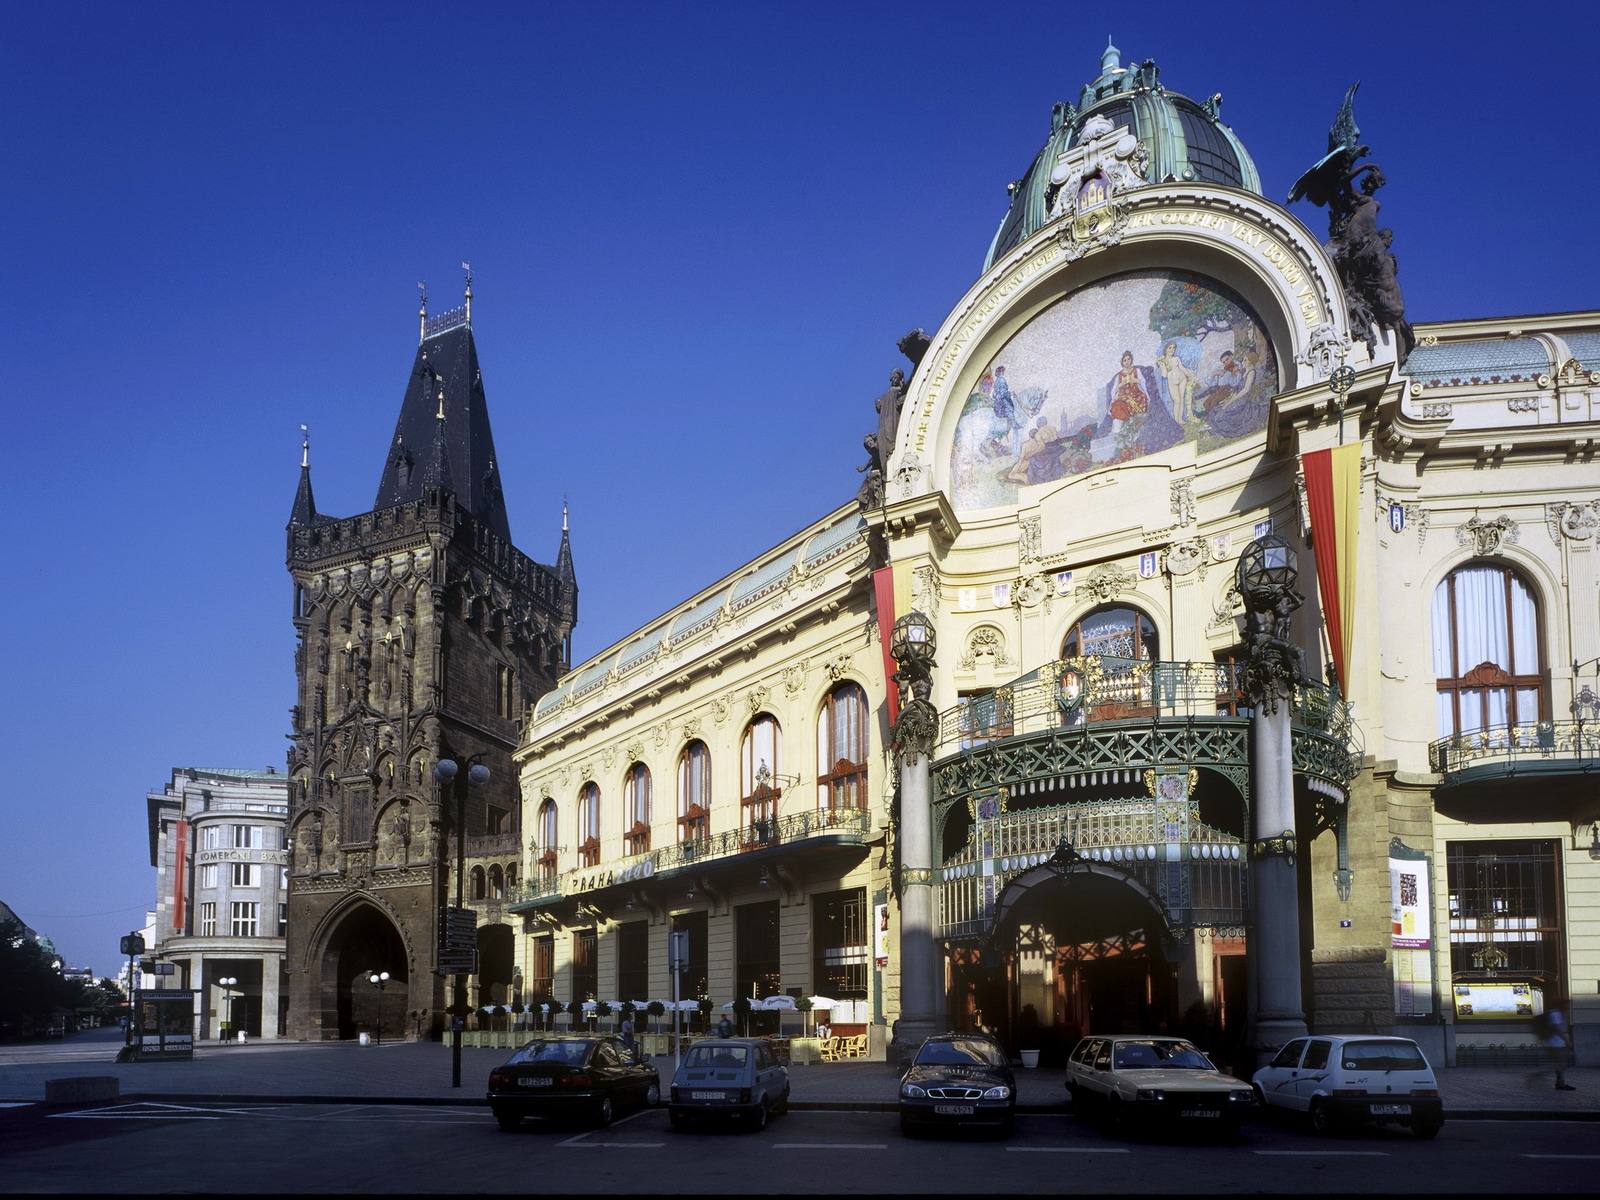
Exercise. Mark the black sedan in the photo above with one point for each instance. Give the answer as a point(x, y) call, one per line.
point(958, 1079)
point(571, 1078)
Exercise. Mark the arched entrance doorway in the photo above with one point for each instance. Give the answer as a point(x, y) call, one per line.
point(363, 943)
point(1087, 950)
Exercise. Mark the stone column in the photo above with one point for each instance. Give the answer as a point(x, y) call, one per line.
point(271, 982)
point(1266, 577)
point(915, 734)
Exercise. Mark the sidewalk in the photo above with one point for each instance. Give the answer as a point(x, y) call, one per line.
point(419, 1073)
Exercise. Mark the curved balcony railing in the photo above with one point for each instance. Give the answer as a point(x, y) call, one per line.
point(1556, 745)
point(1075, 692)
point(850, 826)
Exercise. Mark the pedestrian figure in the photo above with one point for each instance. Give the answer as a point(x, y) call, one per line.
point(724, 1028)
point(627, 1030)
point(1557, 1046)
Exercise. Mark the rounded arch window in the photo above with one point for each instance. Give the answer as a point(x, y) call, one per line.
point(549, 834)
point(479, 890)
point(1487, 661)
point(589, 825)
point(694, 792)
point(636, 809)
point(497, 882)
point(760, 765)
point(1115, 631)
point(842, 749)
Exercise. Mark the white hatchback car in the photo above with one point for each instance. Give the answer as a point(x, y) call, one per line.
point(1356, 1079)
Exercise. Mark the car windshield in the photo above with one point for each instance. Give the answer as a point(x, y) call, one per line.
point(571, 1053)
point(957, 1052)
point(1382, 1056)
point(1165, 1056)
point(716, 1056)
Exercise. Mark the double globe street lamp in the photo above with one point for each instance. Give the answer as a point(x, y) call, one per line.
point(227, 983)
point(378, 979)
point(447, 771)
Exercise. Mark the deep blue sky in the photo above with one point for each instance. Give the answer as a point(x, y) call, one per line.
point(697, 231)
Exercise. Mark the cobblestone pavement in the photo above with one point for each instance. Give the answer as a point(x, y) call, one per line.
point(421, 1072)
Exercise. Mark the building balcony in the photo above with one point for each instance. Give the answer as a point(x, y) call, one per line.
point(1492, 768)
point(1073, 721)
point(759, 841)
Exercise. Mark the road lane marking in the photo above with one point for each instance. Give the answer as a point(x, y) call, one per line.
point(1322, 1153)
point(830, 1145)
point(1561, 1156)
point(1067, 1150)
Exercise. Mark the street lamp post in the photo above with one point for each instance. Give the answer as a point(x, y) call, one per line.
point(227, 983)
point(916, 732)
point(448, 773)
point(378, 979)
point(1266, 577)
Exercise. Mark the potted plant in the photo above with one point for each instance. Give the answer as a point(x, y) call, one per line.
point(655, 1010)
point(741, 1010)
point(803, 1007)
point(1027, 1035)
point(603, 1009)
point(705, 1006)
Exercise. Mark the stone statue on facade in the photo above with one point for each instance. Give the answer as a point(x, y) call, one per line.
point(1360, 250)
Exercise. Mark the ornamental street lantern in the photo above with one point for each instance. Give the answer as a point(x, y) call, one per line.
point(1266, 577)
point(1268, 565)
point(912, 643)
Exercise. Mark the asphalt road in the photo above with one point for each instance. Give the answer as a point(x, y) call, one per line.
point(153, 1146)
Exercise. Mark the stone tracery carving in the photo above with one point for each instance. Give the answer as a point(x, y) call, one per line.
point(1183, 558)
point(1579, 522)
point(1183, 506)
point(985, 642)
point(1029, 539)
point(1106, 582)
point(1488, 536)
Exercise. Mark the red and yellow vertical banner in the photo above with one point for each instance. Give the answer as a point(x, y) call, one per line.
point(891, 589)
point(180, 875)
point(1333, 494)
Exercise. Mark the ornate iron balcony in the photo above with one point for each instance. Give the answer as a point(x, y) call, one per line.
point(1554, 747)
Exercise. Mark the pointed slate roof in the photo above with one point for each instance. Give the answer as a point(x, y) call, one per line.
point(469, 468)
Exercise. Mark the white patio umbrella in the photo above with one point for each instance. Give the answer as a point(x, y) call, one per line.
point(822, 1001)
point(777, 1004)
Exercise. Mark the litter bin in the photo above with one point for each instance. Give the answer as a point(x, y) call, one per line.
point(366, 1039)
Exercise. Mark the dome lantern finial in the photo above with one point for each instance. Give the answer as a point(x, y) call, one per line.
point(1110, 58)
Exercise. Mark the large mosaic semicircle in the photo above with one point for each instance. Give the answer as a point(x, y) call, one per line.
point(1117, 370)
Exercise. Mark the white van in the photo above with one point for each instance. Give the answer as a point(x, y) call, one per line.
point(1355, 1079)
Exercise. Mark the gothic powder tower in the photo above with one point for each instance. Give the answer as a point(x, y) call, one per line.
point(424, 634)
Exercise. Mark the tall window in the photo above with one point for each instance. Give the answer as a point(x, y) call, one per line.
point(479, 884)
point(633, 960)
point(208, 919)
point(283, 920)
point(208, 876)
point(245, 918)
point(696, 980)
point(1505, 911)
point(756, 950)
point(542, 969)
point(497, 882)
point(1486, 650)
point(545, 862)
point(842, 749)
point(244, 875)
point(247, 837)
point(636, 809)
point(694, 792)
point(585, 966)
point(839, 941)
point(759, 765)
point(589, 825)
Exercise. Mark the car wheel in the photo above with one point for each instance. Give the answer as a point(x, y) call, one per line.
point(652, 1095)
point(506, 1119)
point(1427, 1129)
point(783, 1102)
point(1323, 1123)
point(758, 1119)
point(603, 1113)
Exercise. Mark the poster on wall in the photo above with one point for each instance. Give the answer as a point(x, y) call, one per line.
point(880, 935)
point(1411, 931)
point(1117, 370)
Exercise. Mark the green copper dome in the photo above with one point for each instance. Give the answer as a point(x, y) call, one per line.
point(1186, 141)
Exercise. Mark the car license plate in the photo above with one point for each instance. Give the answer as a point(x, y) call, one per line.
point(705, 1095)
point(1391, 1110)
point(955, 1110)
point(1201, 1112)
point(533, 1081)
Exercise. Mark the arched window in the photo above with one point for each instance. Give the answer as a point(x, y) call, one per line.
point(589, 825)
point(760, 763)
point(1486, 657)
point(497, 882)
point(636, 809)
point(548, 844)
point(694, 792)
point(1114, 632)
point(842, 749)
point(479, 891)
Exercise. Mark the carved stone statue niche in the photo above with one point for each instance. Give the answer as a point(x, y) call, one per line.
point(1361, 251)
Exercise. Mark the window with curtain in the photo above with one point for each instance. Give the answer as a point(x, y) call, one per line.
point(1486, 656)
point(842, 749)
point(636, 809)
point(548, 830)
point(1116, 632)
point(589, 825)
point(694, 792)
point(759, 766)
